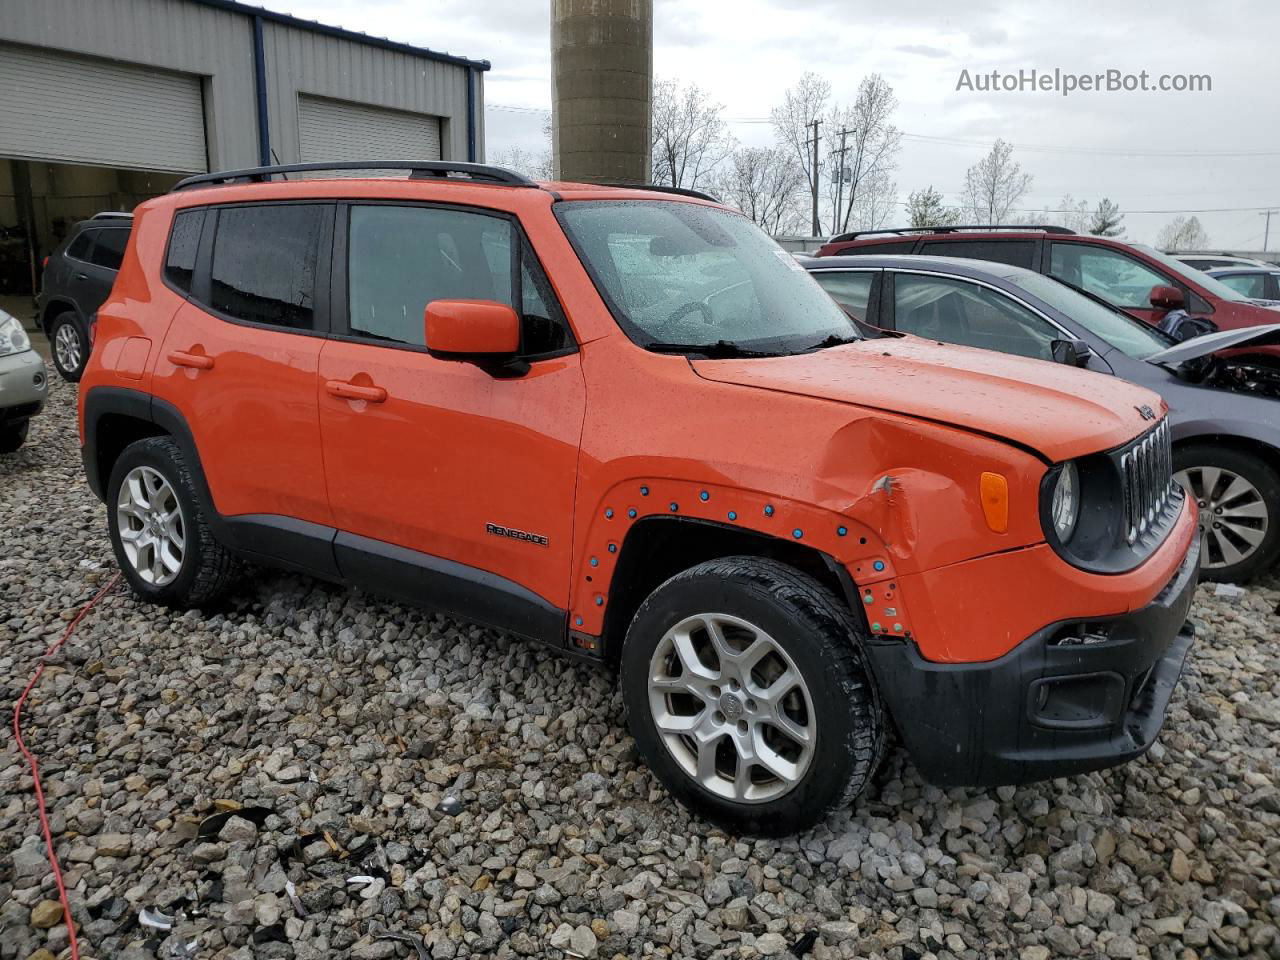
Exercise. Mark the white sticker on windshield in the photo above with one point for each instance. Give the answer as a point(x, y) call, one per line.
point(789, 260)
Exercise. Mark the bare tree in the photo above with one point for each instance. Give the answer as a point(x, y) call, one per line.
point(535, 164)
point(995, 184)
point(1182, 233)
point(689, 135)
point(877, 203)
point(1070, 213)
point(792, 122)
point(862, 149)
point(926, 209)
point(765, 184)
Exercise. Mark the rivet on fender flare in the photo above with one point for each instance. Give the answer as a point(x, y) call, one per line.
point(879, 565)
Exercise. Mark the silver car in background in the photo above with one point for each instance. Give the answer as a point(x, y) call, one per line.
point(23, 383)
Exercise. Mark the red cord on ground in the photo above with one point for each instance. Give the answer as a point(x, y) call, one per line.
point(31, 761)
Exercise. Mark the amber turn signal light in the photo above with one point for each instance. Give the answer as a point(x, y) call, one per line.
point(995, 501)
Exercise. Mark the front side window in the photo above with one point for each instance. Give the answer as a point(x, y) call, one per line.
point(955, 311)
point(1116, 278)
point(108, 248)
point(851, 289)
point(264, 263)
point(1252, 285)
point(399, 259)
point(1133, 337)
point(677, 273)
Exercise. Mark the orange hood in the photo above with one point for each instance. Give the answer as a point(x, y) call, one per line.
point(1061, 412)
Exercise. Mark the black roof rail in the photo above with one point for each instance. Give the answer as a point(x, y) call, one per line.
point(1025, 227)
point(663, 188)
point(418, 170)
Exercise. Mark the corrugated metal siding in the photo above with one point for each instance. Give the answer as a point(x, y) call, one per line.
point(218, 45)
point(301, 62)
point(54, 106)
point(336, 130)
point(169, 34)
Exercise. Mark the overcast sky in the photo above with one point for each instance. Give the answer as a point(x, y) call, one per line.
point(1211, 151)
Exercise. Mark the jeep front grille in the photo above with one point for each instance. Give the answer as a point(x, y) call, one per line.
point(1147, 471)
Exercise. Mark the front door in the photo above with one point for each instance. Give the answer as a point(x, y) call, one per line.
point(441, 475)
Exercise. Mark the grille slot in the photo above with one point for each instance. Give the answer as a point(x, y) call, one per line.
point(1147, 469)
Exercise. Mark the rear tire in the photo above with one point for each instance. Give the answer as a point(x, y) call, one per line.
point(767, 744)
point(1239, 497)
point(160, 536)
point(68, 346)
point(13, 435)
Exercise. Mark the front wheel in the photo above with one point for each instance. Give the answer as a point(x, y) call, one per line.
point(70, 346)
point(1238, 495)
point(748, 697)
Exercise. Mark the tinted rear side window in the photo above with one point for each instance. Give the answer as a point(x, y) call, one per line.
point(889, 246)
point(264, 264)
point(1019, 253)
point(108, 248)
point(79, 247)
point(184, 244)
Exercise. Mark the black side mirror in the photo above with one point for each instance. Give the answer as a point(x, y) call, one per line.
point(1072, 353)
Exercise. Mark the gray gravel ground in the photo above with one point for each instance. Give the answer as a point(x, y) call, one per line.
point(491, 792)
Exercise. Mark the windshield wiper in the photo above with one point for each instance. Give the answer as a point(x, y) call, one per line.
point(835, 340)
point(721, 349)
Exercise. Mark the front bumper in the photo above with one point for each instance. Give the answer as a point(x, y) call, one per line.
point(1046, 708)
point(24, 384)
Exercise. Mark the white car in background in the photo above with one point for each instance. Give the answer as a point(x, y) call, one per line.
point(23, 383)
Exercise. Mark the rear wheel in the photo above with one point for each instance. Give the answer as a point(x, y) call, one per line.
point(70, 346)
point(1239, 496)
point(747, 695)
point(161, 540)
point(13, 435)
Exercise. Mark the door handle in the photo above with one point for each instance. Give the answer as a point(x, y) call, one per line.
point(354, 391)
point(197, 361)
point(82, 276)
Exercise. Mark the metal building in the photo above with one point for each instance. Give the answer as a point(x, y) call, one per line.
point(108, 102)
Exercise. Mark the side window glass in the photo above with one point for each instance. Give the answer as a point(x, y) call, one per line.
point(264, 263)
point(79, 248)
point(544, 327)
point(1250, 284)
point(1019, 253)
point(108, 248)
point(954, 311)
point(184, 244)
point(851, 290)
point(399, 259)
point(1118, 279)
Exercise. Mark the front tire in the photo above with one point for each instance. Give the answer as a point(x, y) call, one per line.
point(1239, 497)
point(69, 346)
point(161, 539)
point(13, 435)
point(747, 695)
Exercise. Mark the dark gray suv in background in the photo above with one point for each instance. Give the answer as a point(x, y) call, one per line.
point(1225, 413)
point(77, 278)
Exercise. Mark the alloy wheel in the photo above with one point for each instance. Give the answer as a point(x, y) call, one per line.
point(67, 347)
point(732, 708)
point(151, 525)
point(1233, 515)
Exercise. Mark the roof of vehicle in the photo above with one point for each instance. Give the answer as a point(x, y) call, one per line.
point(960, 266)
point(1019, 228)
point(1242, 268)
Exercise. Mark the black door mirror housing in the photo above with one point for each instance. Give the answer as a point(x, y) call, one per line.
point(1072, 353)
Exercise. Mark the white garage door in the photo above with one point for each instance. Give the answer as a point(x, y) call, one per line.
point(76, 110)
point(336, 130)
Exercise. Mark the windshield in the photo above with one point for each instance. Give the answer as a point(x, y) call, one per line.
point(678, 274)
point(1133, 337)
point(1212, 285)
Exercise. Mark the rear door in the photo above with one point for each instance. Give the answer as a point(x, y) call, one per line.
point(88, 276)
point(105, 258)
point(1018, 253)
point(239, 359)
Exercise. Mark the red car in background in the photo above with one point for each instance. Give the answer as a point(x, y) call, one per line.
point(1136, 278)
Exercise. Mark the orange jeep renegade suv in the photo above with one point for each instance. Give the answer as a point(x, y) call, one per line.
point(625, 423)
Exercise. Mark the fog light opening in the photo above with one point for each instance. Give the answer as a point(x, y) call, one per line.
point(1083, 634)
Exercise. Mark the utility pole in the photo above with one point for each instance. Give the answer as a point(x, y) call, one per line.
point(1266, 235)
point(835, 222)
point(816, 227)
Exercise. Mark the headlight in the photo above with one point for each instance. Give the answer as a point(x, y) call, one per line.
point(13, 339)
point(1065, 508)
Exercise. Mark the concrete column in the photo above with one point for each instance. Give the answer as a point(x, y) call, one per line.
point(602, 89)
